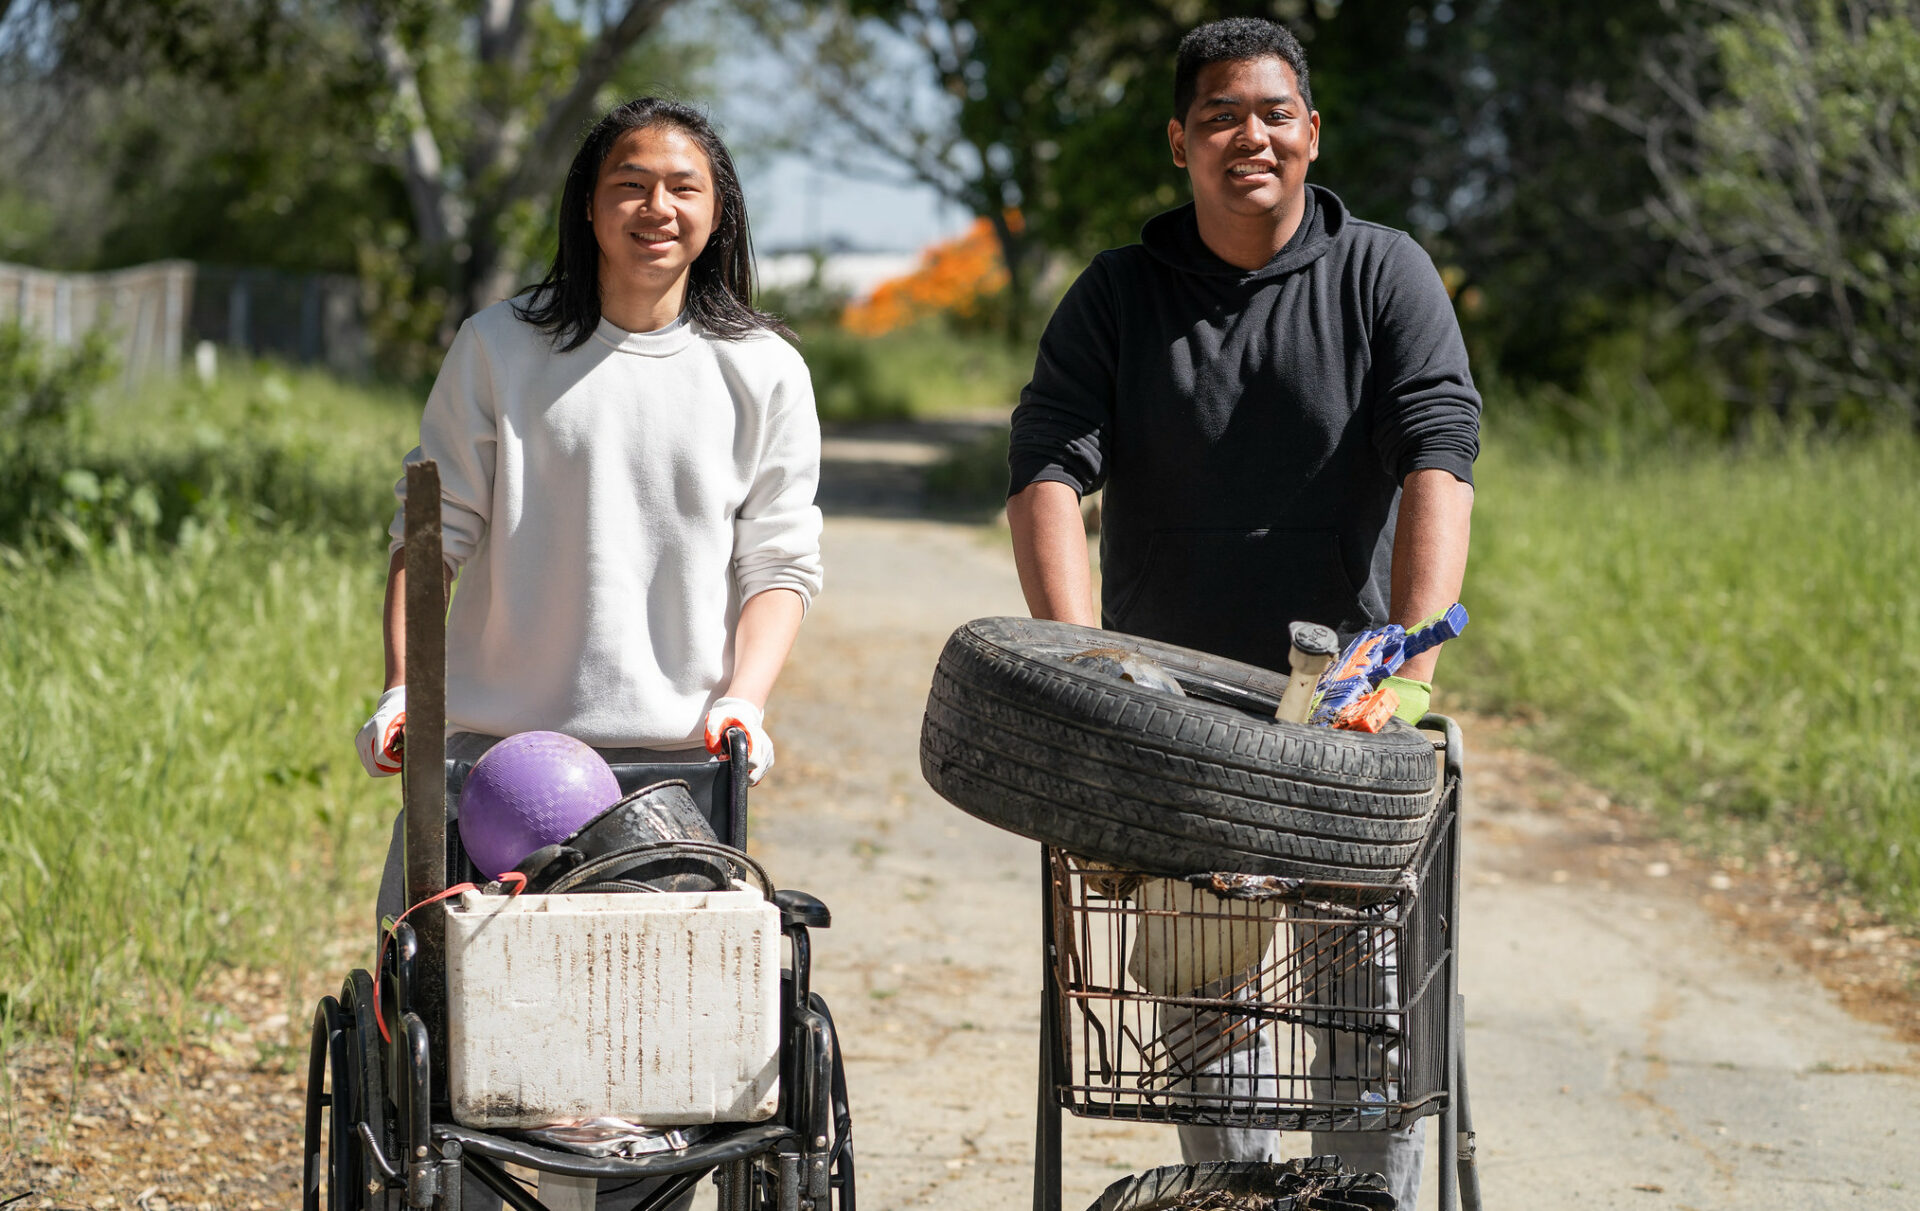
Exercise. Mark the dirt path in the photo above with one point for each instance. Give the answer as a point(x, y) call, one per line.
point(1629, 1047)
point(1631, 1043)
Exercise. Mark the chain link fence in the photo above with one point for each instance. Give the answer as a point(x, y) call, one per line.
point(156, 314)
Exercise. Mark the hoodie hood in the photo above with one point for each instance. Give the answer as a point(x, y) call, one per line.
point(1173, 238)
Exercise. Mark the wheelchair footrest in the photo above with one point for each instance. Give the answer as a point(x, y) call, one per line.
point(719, 1147)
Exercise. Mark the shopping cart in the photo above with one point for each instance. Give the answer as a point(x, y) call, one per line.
point(1239, 1001)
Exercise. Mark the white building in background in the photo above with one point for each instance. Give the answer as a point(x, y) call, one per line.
point(853, 274)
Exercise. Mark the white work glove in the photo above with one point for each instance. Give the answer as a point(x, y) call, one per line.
point(738, 712)
point(381, 737)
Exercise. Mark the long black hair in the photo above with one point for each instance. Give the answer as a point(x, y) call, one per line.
point(566, 302)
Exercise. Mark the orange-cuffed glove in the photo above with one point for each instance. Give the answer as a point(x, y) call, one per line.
point(738, 712)
point(382, 737)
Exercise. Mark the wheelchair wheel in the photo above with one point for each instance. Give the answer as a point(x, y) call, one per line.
point(346, 1086)
point(370, 1104)
point(331, 1183)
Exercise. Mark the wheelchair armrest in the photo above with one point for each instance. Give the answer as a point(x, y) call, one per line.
point(799, 908)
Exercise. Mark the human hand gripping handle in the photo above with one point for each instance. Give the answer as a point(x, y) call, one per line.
point(382, 737)
point(738, 712)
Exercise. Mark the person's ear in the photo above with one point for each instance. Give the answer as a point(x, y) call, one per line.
point(1177, 140)
point(1313, 148)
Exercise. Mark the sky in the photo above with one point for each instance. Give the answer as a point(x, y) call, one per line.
point(796, 203)
point(799, 201)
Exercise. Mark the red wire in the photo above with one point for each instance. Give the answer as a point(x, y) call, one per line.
point(380, 960)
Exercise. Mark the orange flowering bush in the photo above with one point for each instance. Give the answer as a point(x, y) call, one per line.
point(955, 277)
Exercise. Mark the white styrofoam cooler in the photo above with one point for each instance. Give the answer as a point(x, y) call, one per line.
point(661, 1009)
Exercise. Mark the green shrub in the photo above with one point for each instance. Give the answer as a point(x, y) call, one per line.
point(43, 389)
point(928, 370)
point(266, 444)
point(973, 476)
point(846, 383)
point(189, 634)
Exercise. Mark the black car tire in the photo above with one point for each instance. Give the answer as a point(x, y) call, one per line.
point(1317, 1184)
point(1117, 772)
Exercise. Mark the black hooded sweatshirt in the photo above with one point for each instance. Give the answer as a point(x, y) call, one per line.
point(1251, 428)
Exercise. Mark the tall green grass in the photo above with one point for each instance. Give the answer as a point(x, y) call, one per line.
point(178, 696)
point(1732, 636)
point(927, 370)
point(177, 787)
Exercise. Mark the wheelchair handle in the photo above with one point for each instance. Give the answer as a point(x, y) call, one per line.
point(737, 745)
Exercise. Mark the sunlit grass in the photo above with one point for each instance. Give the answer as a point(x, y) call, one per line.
point(1732, 637)
point(177, 787)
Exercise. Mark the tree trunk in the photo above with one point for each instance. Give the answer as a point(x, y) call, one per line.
point(511, 157)
point(1017, 251)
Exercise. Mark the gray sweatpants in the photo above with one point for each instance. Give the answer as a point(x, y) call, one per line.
point(1336, 971)
point(467, 746)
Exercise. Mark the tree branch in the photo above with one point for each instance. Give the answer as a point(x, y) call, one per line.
point(436, 217)
point(551, 145)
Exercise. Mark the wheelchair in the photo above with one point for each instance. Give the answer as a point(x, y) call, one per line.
point(379, 1132)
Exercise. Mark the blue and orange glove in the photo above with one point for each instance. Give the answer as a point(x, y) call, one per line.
point(730, 713)
point(382, 737)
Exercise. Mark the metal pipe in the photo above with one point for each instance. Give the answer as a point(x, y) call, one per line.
point(496, 1179)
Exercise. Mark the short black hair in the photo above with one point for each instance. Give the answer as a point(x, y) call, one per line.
point(1232, 39)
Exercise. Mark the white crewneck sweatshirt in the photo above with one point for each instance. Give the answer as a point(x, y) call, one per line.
point(607, 511)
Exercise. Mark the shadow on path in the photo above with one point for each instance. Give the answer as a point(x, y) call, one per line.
point(880, 470)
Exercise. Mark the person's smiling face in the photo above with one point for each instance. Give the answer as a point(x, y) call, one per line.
point(654, 207)
point(1247, 138)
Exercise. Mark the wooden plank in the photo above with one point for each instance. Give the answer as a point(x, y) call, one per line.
point(424, 766)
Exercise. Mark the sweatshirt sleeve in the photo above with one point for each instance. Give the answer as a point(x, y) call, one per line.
point(458, 431)
point(1426, 412)
point(776, 531)
point(1060, 426)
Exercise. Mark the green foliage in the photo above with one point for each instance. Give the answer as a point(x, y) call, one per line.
point(846, 383)
point(1791, 193)
point(972, 477)
point(176, 786)
point(1636, 392)
point(928, 370)
point(1731, 635)
point(177, 695)
point(267, 445)
point(227, 132)
point(43, 388)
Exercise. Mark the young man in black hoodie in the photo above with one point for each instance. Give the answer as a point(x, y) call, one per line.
point(1275, 397)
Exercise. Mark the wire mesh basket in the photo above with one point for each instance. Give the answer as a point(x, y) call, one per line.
point(1244, 1001)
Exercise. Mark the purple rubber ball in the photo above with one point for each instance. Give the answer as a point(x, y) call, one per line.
point(531, 790)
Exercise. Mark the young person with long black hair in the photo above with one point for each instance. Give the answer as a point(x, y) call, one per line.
point(628, 455)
